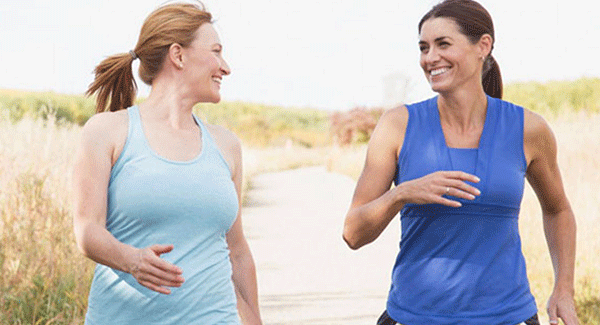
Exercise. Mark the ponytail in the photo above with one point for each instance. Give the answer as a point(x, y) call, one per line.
point(171, 23)
point(492, 79)
point(114, 80)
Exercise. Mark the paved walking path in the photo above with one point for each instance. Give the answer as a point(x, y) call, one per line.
point(306, 274)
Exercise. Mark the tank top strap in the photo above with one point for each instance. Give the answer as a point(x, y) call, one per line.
point(212, 151)
point(136, 140)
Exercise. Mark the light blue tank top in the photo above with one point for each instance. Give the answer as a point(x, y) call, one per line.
point(192, 205)
point(463, 265)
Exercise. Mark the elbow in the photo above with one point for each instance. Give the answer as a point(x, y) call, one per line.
point(81, 247)
point(351, 239)
point(80, 239)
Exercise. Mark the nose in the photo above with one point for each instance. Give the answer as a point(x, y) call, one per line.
point(225, 67)
point(432, 55)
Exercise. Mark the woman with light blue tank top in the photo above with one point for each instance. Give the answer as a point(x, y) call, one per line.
point(157, 191)
point(189, 204)
point(458, 162)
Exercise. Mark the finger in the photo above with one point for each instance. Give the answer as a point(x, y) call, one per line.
point(160, 278)
point(460, 175)
point(161, 249)
point(570, 318)
point(445, 201)
point(165, 266)
point(553, 318)
point(165, 275)
point(463, 187)
point(154, 287)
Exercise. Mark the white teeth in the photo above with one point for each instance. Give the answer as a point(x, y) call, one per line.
point(217, 80)
point(438, 71)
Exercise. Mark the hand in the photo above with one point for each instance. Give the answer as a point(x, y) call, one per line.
point(562, 306)
point(433, 187)
point(153, 272)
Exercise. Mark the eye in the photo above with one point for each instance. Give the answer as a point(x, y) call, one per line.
point(423, 48)
point(444, 44)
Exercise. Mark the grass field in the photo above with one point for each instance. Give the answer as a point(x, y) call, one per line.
point(45, 280)
point(578, 137)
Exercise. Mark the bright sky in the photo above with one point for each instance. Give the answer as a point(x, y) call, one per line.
point(328, 54)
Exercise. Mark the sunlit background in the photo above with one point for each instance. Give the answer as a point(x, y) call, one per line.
point(324, 54)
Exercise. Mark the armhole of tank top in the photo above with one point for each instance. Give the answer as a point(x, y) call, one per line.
point(521, 112)
point(211, 140)
point(404, 144)
point(119, 160)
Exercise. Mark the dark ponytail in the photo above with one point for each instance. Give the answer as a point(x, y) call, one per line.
point(473, 21)
point(171, 23)
point(491, 78)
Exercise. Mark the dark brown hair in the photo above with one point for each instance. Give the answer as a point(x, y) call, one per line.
point(473, 21)
point(172, 23)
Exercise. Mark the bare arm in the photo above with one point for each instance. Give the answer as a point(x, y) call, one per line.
point(242, 262)
point(374, 204)
point(91, 175)
point(559, 222)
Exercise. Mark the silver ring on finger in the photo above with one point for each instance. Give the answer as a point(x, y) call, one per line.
point(447, 190)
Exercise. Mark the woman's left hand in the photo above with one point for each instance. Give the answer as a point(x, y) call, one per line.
point(562, 305)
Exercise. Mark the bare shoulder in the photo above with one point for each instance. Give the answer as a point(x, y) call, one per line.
point(395, 118)
point(535, 128)
point(223, 137)
point(538, 138)
point(390, 129)
point(228, 143)
point(106, 130)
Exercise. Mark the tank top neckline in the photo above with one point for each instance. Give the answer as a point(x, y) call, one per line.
point(440, 130)
point(203, 140)
point(481, 152)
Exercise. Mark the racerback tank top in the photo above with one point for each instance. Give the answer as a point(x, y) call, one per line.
point(190, 204)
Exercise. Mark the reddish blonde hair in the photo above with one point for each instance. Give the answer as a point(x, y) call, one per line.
point(171, 23)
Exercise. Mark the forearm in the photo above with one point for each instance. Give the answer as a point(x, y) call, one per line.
point(560, 230)
point(99, 245)
point(244, 280)
point(364, 223)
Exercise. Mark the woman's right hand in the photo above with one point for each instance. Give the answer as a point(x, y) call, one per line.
point(153, 272)
point(435, 188)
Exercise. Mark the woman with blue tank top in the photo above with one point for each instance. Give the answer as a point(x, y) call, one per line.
point(458, 162)
point(157, 191)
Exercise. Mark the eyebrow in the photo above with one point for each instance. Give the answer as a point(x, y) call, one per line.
point(441, 38)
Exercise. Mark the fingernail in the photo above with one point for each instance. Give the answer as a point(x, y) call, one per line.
point(477, 191)
point(477, 179)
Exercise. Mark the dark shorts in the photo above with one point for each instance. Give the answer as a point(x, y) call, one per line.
point(385, 319)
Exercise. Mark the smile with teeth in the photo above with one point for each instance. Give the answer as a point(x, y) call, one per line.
point(217, 80)
point(439, 71)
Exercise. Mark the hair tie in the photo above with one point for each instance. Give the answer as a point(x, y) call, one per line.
point(133, 55)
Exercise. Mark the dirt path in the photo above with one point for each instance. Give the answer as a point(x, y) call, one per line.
point(306, 274)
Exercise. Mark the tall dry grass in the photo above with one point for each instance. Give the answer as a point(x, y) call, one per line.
point(45, 280)
point(43, 277)
point(578, 136)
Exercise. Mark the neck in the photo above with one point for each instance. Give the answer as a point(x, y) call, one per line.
point(167, 103)
point(463, 109)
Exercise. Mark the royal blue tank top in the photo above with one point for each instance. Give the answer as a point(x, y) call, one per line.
point(463, 265)
point(190, 204)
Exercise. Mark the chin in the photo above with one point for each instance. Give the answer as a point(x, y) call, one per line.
point(439, 88)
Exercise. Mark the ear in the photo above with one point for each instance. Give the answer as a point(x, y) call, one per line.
point(175, 55)
point(485, 44)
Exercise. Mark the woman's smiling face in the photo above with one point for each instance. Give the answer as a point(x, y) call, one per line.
point(448, 58)
point(205, 66)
